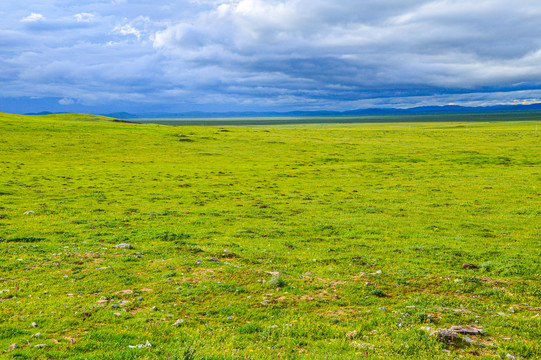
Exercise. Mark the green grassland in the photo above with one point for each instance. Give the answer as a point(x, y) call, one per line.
point(471, 118)
point(311, 241)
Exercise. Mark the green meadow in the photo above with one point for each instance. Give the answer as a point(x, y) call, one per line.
point(269, 241)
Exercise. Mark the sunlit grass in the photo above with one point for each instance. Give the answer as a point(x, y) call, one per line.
point(268, 241)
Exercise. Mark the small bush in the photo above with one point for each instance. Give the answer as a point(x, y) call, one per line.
point(277, 281)
point(378, 293)
point(249, 329)
point(170, 236)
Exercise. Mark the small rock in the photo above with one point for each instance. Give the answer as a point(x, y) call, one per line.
point(140, 346)
point(378, 272)
point(154, 308)
point(227, 251)
point(467, 330)
point(512, 309)
point(351, 334)
point(34, 325)
point(40, 346)
point(36, 335)
point(469, 266)
point(123, 246)
point(444, 334)
point(12, 347)
point(140, 298)
point(117, 314)
point(427, 329)
point(509, 356)
point(468, 340)
point(264, 303)
point(114, 306)
point(214, 259)
point(178, 322)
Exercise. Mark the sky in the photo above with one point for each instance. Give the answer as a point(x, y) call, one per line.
point(266, 55)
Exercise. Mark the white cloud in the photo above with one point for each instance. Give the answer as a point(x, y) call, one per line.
point(323, 53)
point(66, 101)
point(84, 17)
point(34, 17)
point(127, 29)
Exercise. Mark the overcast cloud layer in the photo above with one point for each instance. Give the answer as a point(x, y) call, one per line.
point(142, 55)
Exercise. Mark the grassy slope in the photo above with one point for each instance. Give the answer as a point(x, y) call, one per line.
point(327, 209)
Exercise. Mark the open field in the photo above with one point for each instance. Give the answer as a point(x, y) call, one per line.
point(473, 119)
point(312, 241)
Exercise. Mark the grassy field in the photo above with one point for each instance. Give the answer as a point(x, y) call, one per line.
point(470, 118)
point(318, 241)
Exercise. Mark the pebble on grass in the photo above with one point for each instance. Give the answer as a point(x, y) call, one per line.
point(123, 246)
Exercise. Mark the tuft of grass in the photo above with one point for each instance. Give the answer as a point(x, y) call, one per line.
point(378, 293)
point(277, 281)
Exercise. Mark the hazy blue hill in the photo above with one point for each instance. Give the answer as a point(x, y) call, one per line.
point(41, 113)
point(122, 115)
point(420, 110)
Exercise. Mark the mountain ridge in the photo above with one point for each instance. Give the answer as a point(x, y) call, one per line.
point(418, 110)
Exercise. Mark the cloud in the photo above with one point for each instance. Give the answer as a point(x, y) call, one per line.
point(275, 53)
point(84, 17)
point(34, 17)
point(420, 47)
point(127, 29)
point(66, 101)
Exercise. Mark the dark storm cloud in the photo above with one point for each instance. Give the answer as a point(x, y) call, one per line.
point(274, 53)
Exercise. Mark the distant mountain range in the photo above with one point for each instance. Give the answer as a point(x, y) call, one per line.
point(421, 110)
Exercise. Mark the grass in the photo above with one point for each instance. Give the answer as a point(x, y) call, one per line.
point(292, 242)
